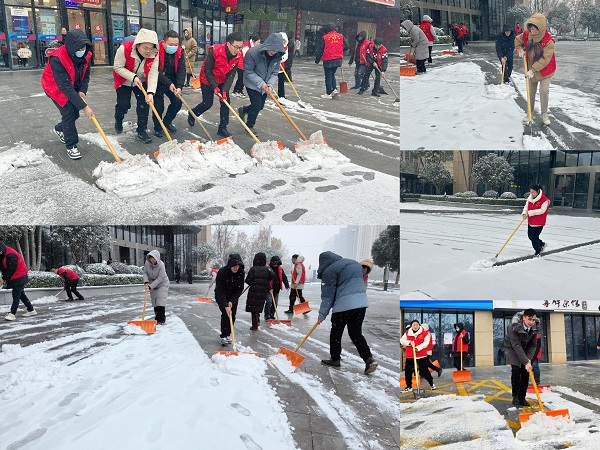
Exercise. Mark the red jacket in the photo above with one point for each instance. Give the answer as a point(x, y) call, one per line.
point(241, 63)
point(130, 63)
point(161, 61)
point(222, 65)
point(302, 277)
point(518, 30)
point(21, 269)
point(551, 66)
point(463, 30)
point(363, 51)
point(49, 83)
point(71, 274)
point(458, 344)
point(426, 27)
point(380, 54)
point(334, 46)
point(421, 338)
point(537, 220)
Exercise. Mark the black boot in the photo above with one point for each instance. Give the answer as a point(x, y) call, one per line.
point(223, 132)
point(523, 402)
point(439, 371)
point(143, 136)
point(119, 125)
point(370, 365)
point(255, 319)
point(515, 400)
point(331, 362)
point(191, 120)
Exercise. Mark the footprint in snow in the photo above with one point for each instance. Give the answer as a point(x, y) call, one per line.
point(326, 188)
point(249, 443)
point(35, 434)
point(310, 179)
point(294, 215)
point(214, 381)
point(239, 408)
point(68, 399)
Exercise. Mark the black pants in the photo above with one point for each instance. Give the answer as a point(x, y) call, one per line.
point(459, 42)
point(257, 103)
point(187, 79)
point(519, 380)
point(281, 79)
point(159, 314)
point(359, 75)
point(71, 288)
point(365, 81)
point(508, 69)
point(293, 297)
point(18, 295)
point(124, 103)
point(172, 110)
point(239, 84)
point(69, 114)
point(421, 66)
point(429, 59)
point(533, 233)
point(409, 370)
point(457, 361)
point(225, 328)
point(352, 318)
point(207, 102)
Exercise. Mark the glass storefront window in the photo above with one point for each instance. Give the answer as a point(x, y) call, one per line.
point(585, 159)
point(117, 6)
point(582, 182)
point(147, 9)
point(161, 27)
point(173, 15)
point(48, 28)
point(596, 204)
point(572, 158)
point(22, 47)
point(133, 7)
point(596, 158)
point(148, 23)
point(17, 3)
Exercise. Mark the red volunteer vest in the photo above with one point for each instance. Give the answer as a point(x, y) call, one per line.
point(21, 268)
point(539, 220)
point(49, 83)
point(539, 355)
point(458, 344)
point(426, 27)
point(222, 65)
point(71, 274)
point(161, 62)
point(334, 46)
point(363, 51)
point(302, 277)
point(130, 64)
point(241, 63)
point(418, 339)
point(551, 67)
point(382, 51)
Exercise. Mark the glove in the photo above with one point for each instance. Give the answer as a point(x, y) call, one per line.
point(223, 96)
point(217, 91)
point(530, 74)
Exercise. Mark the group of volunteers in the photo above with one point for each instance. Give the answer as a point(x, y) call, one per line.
point(343, 292)
point(153, 70)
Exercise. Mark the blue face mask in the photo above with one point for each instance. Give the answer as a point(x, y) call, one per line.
point(80, 53)
point(171, 49)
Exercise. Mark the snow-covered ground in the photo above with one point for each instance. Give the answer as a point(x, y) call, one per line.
point(458, 243)
point(188, 184)
point(452, 107)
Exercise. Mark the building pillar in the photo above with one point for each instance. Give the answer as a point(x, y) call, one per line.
point(484, 338)
point(557, 344)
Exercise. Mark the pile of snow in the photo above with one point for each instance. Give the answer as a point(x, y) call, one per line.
point(133, 329)
point(542, 427)
point(21, 155)
point(316, 151)
point(228, 157)
point(241, 364)
point(131, 177)
point(269, 154)
point(180, 158)
point(500, 91)
point(536, 142)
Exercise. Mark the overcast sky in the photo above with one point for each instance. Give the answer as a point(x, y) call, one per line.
point(306, 240)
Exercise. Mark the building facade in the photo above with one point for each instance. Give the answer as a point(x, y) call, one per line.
point(28, 27)
point(569, 328)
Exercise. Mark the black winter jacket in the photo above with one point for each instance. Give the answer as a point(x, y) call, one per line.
point(229, 285)
point(274, 265)
point(259, 278)
point(169, 75)
point(505, 46)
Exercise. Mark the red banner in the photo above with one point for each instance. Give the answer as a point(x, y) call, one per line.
point(383, 2)
point(298, 23)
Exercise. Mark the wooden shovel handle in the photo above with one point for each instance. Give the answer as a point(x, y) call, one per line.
point(145, 298)
point(286, 115)
point(232, 333)
point(537, 393)
point(109, 145)
point(156, 114)
point(290, 81)
point(307, 335)
point(238, 118)
point(274, 304)
point(194, 115)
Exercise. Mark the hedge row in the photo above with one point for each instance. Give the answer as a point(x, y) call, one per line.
point(48, 279)
point(477, 200)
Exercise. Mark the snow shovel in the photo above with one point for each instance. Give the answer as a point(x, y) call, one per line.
point(278, 321)
point(58, 293)
point(301, 308)
point(234, 352)
point(388, 83)
point(460, 376)
point(300, 102)
point(287, 115)
point(206, 299)
point(524, 417)
point(295, 358)
point(239, 118)
point(529, 112)
point(503, 67)
point(194, 116)
point(149, 326)
point(419, 393)
point(495, 258)
point(194, 81)
point(409, 57)
point(162, 125)
point(108, 144)
point(343, 83)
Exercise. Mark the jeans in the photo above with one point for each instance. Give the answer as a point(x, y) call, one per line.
point(330, 83)
point(18, 294)
point(269, 311)
point(207, 102)
point(533, 233)
point(159, 104)
point(421, 66)
point(352, 318)
point(71, 288)
point(359, 76)
point(225, 328)
point(459, 42)
point(124, 103)
point(257, 103)
point(69, 114)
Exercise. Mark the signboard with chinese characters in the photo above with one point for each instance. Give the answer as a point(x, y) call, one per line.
point(592, 306)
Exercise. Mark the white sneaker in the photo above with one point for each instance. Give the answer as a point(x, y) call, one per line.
point(335, 93)
point(545, 119)
point(10, 316)
point(228, 339)
point(60, 135)
point(30, 313)
point(73, 153)
point(224, 341)
point(326, 96)
point(433, 388)
point(242, 95)
point(405, 390)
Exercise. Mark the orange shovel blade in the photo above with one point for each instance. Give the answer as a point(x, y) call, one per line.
point(448, 52)
point(195, 83)
point(557, 412)
point(541, 387)
point(204, 300)
point(343, 87)
point(436, 364)
point(231, 353)
point(149, 326)
point(224, 140)
point(272, 322)
point(295, 358)
point(156, 153)
point(403, 382)
point(301, 308)
point(461, 376)
point(280, 145)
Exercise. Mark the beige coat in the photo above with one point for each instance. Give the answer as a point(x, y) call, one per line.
point(539, 20)
point(190, 47)
point(143, 35)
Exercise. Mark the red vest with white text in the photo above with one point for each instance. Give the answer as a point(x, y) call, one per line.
point(222, 65)
point(334, 46)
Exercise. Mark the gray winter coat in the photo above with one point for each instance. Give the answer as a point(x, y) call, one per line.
point(257, 68)
point(418, 40)
point(342, 284)
point(156, 276)
point(519, 345)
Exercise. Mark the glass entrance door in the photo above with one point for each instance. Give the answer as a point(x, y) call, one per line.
point(564, 186)
point(97, 32)
point(22, 49)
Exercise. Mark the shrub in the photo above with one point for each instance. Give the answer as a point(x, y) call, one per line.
point(108, 280)
point(78, 270)
point(120, 267)
point(136, 270)
point(43, 280)
point(478, 200)
point(468, 194)
point(490, 194)
point(508, 195)
point(99, 269)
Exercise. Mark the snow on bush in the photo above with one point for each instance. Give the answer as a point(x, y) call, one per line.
point(490, 194)
point(120, 267)
point(44, 279)
point(99, 269)
point(509, 195)
point(78, 270)
point(468, 194)
point(109, 280)
point(136, 270)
